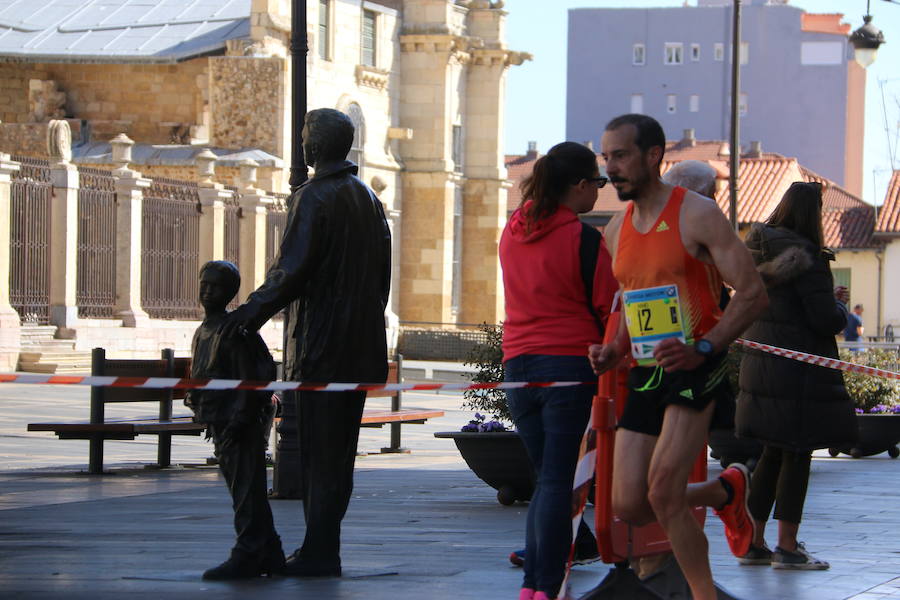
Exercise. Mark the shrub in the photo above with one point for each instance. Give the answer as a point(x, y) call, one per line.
point(872, 394)
point(487, 358)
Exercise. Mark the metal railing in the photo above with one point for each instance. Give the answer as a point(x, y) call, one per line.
point(29, 243)
point(95, 292)
point(170, 250)
point(233, 216)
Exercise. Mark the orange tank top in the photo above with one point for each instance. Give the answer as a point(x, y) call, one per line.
point(659, 258)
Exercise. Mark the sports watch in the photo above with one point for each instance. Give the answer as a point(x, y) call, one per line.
point(704, 348)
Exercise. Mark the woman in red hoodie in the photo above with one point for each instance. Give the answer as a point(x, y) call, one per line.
point(550, 322)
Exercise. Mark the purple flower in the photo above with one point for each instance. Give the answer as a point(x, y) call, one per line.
point(859, 411)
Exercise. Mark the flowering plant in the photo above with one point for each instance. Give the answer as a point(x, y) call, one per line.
point(478, 424)
point(873, 395)
point(487, 358)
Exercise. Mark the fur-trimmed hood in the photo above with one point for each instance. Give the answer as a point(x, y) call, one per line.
point(780, 254)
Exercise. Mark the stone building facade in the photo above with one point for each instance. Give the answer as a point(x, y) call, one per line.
point(423, 80)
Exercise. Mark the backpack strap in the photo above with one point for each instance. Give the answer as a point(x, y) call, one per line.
point(587, 252)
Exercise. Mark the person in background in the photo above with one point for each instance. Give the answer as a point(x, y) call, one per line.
point(853, 331)
point(789, 406)
point(556, 308)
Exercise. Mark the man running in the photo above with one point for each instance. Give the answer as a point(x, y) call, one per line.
point(672, 249)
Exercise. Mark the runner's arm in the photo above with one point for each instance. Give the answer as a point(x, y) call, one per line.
point(709, 227)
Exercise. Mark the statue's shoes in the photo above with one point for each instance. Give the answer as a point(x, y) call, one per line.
point(240, 566)
point(295, 566)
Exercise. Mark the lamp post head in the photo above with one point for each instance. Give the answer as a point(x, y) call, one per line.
point(866, 41)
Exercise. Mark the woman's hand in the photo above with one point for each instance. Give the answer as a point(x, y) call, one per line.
point(842, 293)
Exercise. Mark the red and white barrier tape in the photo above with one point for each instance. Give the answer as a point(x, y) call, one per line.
point(831, 363)
point(270, 386)
point(282, 386)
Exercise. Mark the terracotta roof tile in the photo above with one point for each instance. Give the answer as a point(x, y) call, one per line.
point(889, 213)
point(762, 182)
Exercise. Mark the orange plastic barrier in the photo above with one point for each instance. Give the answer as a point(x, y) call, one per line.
point(612, 533)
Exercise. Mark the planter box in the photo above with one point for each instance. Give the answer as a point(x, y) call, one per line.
point(499, 459)
point(877, 434)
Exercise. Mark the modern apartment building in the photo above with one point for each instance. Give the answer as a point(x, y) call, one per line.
point(802, 95)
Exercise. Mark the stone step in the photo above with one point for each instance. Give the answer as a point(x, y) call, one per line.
point(43, 361)
point(49, 345)
point(35, 333)
point(51, 356)
point(52, 368)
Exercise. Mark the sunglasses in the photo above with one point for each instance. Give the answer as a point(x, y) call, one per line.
point(600, 180)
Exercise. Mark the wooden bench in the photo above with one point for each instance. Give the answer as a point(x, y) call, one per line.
point(98, 428)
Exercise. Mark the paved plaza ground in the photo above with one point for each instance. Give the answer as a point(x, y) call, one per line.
point(419, 525)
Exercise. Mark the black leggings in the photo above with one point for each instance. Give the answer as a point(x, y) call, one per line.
point(780, 478)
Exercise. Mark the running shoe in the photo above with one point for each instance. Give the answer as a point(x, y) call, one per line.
point(739, 528)
point(517, 558)
point(583, 556)
point(799, 559)
point(757, 555)
point(526, 594)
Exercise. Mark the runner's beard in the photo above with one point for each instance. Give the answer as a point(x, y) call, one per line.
point(637, 185)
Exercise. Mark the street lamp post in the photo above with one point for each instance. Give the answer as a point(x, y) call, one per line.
point(734, 143)
point(286, 474)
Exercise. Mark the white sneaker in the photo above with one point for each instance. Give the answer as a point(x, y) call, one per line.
point(799, 559)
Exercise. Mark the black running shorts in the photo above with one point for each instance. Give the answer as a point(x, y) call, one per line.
point(651, 390)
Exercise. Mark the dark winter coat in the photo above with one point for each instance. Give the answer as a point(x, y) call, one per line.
point(333, 273)
point(784, 402)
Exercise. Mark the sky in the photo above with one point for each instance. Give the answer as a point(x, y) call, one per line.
point(539, 86)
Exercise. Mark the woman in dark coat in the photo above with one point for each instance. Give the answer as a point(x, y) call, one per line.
point(793, 408)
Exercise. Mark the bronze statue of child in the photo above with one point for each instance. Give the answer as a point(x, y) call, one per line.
point(237, 424)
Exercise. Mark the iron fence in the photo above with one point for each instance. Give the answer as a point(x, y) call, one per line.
point(95, 292)
point(276, 220)
point(233, 216)
point(29, 243)
point(170, 250)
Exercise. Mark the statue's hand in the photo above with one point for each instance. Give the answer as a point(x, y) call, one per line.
point(240, 321)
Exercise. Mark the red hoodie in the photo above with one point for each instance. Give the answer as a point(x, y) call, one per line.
point(546, 303)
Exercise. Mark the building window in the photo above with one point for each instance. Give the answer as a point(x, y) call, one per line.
point(671, 103)
point(369, 38)
point(719, 52)
point(674, 53)
point(457, 149)
point(695, 103)
point(456, 285)
point(324, 41)
point(637, 104)
point(742, 105)
point(357, 148)
point(695, 52)
point(638, 54)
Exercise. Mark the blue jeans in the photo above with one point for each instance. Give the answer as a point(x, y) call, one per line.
point(551, 422)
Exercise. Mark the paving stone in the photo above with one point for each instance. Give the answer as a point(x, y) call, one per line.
point(419, 525)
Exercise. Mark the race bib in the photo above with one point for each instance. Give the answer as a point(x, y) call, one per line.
point(652, 315)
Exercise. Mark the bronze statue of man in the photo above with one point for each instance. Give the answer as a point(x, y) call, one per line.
point(237, 421)
point(333, 273)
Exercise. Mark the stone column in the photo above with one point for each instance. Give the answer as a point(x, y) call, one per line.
point(10, 339)
point(253, 230)
point(63, 247)
point(129, 208)
point(212, 202)
point(435, 52)
point(485, 192)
